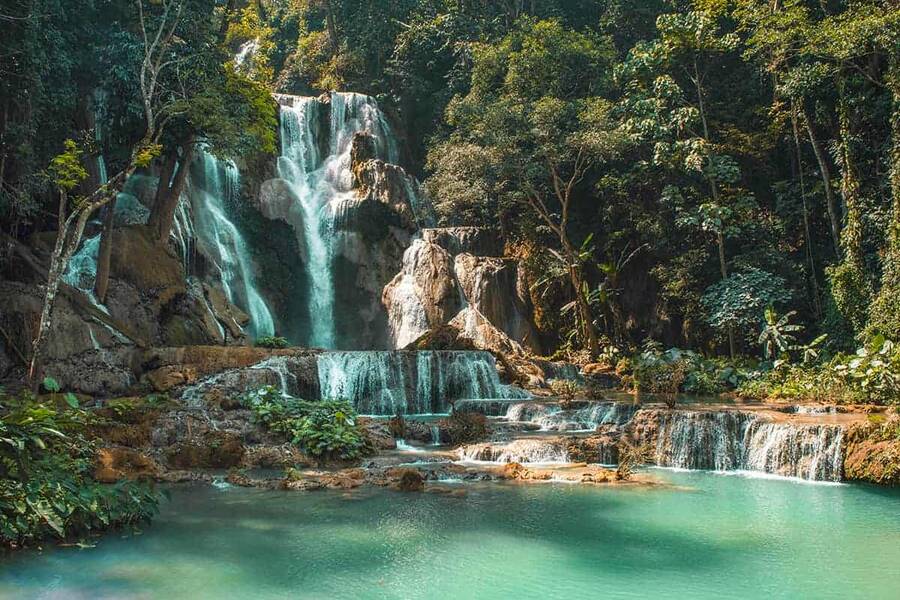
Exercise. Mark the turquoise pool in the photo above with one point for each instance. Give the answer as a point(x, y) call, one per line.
point(707, 536)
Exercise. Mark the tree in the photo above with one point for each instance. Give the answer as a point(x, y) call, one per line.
point(157, 34)
point(659, 110)
point(539, 119)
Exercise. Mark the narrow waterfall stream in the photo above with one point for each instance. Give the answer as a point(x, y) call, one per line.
point(321, 185)
point(223, 242)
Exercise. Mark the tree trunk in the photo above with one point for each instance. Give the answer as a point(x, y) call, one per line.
point(331, 27)
point(68, 238)
point(104, 254)
point(576, 277)
point(806, 229)
point(830, 202)
point(168, 193)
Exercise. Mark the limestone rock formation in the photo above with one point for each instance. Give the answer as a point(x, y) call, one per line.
point(423, 295)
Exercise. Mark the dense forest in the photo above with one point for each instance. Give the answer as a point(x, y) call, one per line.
point(665, 170)
point(292, 236)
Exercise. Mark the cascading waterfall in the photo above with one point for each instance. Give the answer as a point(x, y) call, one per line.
point(81, 272)
point(550, 417)
point(322, 187)
point(387, 383)
point(730, 440)
point(224, 243)
point(547, 451)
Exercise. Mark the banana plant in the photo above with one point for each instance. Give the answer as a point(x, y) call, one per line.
point(777, 337)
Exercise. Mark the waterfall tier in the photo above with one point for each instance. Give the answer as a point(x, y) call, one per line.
point(214, 185)
point(550, 417)
point(736, 440)
point(547, 451)
point(388, 383)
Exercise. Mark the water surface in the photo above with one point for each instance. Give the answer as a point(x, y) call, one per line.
point(712, 536)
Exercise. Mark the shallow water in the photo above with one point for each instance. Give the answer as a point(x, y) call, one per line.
point(713, 536)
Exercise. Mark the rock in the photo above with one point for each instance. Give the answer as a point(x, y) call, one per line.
point(214, 450)
point(167, 368)
point(149, 266)
point(480, 241)
point(423, 295)
point(274, 457)
point(113, 464)
point(491, 287)
point(379, 433)
point(871, 454)
point(345, 479)
point(407, 480)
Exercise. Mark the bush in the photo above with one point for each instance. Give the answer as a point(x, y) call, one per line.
point(326, 429)
point(565, 391)
point(463, 427)
point(676, 370)
point(631, 456)
point(271, 341)
point(46, 487)
point(870, 375)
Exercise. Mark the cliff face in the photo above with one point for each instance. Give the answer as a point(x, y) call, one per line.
point(331, 244)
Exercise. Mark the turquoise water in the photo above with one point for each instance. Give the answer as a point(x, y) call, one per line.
point(714, 536)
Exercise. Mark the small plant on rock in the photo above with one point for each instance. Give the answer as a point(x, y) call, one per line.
point(631, 456)
point(271, 341)
point(464, 426)
point(565, 391)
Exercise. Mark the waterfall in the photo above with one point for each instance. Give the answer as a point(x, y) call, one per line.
point(520, 451)
point(299, 166)
point(550, 417)
point(732, 440)
point(387, 383)
point(81, 272)
point(320, 179)
point(223, 242)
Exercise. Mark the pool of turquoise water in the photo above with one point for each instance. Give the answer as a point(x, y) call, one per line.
point(706, 536)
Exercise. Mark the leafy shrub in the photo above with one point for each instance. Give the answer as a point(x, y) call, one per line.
point(631, 456)
point(676, 370)
point(271, 341)
point(326, 429)
point(565, 390)
point(738, 300)
point(46, 487)
point(464, 426)
point(870, 375)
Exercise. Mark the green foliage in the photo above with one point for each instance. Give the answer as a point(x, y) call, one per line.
point(271, 341)
point(777, 336)
point(674, 370)
point(46, 488)
point(326, 429)
point(66, 169)
point(738, 300)
point(870, 375)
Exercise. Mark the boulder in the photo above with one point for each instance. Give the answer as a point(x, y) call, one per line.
point(213, 450)
point(114, 464)
point(491, 286)
point(480, 241)
point(423, 295)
